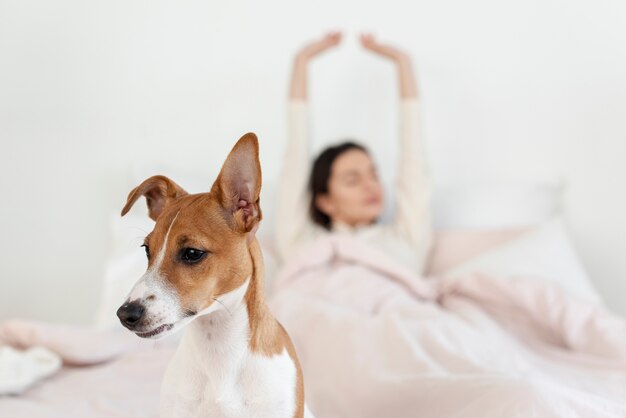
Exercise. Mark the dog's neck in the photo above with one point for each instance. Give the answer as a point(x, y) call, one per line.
point(241, 325)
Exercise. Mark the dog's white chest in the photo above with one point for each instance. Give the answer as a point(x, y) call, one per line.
point(214, 374)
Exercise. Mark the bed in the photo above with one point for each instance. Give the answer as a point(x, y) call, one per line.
point(106, 372)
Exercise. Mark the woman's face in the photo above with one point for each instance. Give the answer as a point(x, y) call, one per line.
point(355, 194)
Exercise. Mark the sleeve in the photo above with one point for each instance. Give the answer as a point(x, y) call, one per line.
point(412, 221)
point(292, 206)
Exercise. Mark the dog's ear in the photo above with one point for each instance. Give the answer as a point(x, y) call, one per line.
point(238, 186)
point(159, 192)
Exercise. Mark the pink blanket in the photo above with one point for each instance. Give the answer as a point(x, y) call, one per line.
point(375, 340)
point(105, 373)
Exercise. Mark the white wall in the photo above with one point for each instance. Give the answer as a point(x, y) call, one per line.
point(88, 88)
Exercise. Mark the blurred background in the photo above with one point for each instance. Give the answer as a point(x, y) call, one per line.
point(94, 95)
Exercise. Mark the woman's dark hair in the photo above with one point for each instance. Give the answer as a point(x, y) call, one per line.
point(320, 175)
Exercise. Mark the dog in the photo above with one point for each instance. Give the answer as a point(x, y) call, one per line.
point(205, 274)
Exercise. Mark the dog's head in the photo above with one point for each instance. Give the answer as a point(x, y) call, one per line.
point(198, 252)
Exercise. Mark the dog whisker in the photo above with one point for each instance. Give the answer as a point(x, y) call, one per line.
point(139, 229)
point(218, 301)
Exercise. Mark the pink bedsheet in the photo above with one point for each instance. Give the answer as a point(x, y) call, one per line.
point(105, 373)
point(376, 341)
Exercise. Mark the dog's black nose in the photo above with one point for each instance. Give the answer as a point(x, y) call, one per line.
point(130, 314)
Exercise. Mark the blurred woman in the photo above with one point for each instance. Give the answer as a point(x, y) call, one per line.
point(341, 192)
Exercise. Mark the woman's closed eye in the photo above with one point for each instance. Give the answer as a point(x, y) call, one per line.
point(351, 180)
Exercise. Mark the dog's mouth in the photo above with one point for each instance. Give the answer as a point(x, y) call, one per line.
point(156, 331)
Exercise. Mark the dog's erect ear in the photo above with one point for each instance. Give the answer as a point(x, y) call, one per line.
point(238, 185)
point(159, 191)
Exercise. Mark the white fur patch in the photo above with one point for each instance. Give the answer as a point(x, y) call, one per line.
point(214, 374)
point(139, 291)
point(158, 298)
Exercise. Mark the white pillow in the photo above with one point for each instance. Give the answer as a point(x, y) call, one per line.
point(452, 247)
point(546, 253)
point(496, 205)
point(126, 264)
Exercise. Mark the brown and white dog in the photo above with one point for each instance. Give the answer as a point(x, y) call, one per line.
point(205, 271)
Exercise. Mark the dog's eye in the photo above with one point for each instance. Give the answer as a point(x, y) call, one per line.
point(191, 255)
point(147, 250)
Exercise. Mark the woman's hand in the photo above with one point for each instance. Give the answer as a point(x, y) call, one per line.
point(406, 80)
point(314, 48)
point(369, 42)
point(298, 89)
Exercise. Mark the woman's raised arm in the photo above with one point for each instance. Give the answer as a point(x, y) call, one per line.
point(412, 219)
point(292, 209)
point(407, 85)
point(298, 89)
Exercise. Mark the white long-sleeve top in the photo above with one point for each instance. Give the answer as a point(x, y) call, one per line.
point(406, 238)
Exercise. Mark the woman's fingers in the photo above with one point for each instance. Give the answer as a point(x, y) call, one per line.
point(367, 39)
point(329, 40)
point(369, 42)
point(333, 38)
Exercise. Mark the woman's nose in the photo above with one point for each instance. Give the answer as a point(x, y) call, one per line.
point(370, 185)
